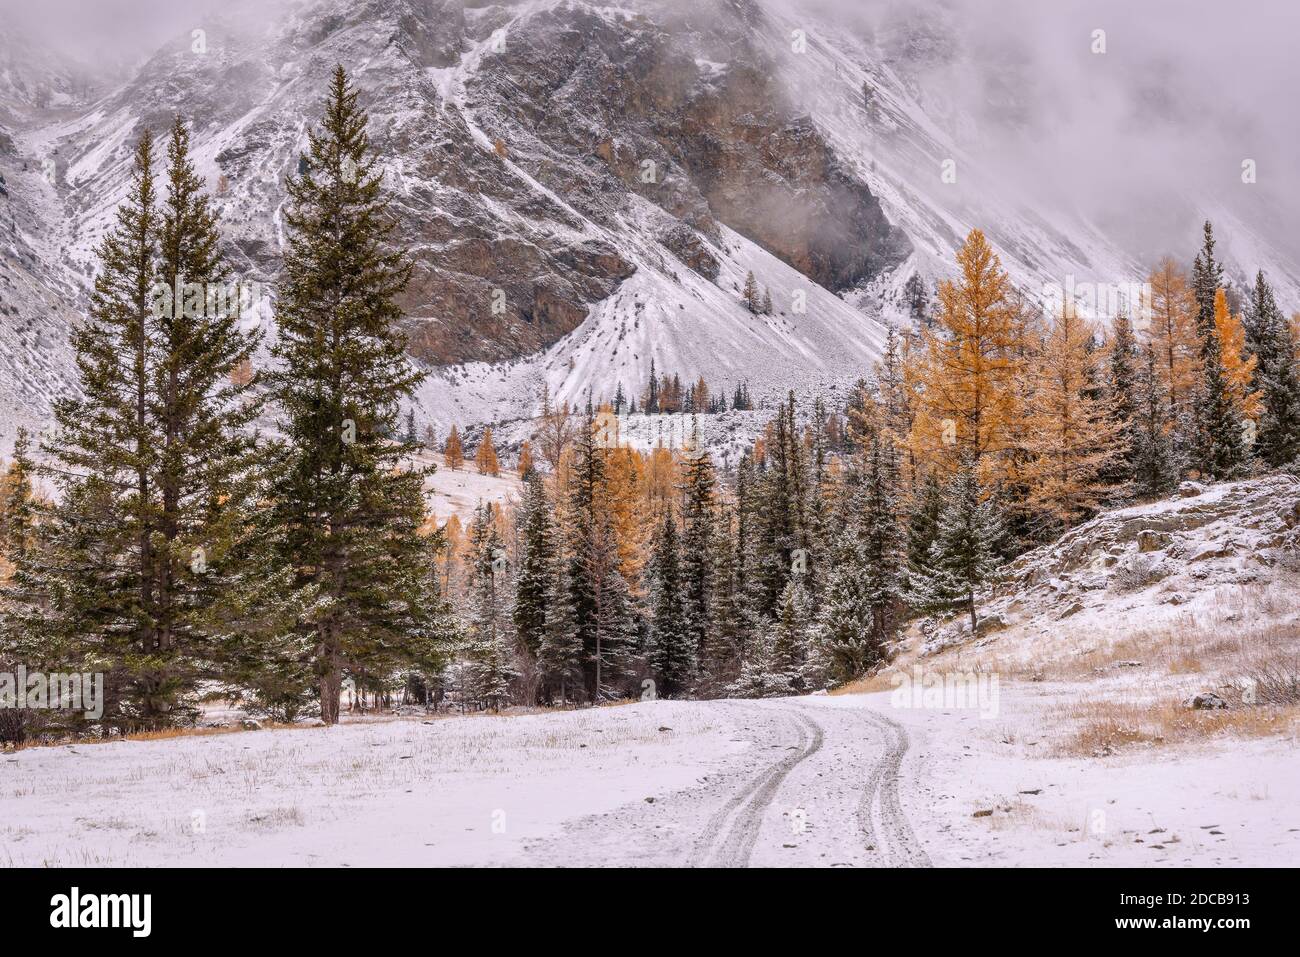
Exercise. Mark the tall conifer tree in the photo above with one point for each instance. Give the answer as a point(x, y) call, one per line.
point(347, 510)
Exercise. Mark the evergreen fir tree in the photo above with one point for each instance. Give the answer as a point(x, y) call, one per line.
point(202, 413)
point(652, 392)
point(760, 671)
point(964, 557)
point(699, 528)
point(922, 530)
point(1207, 278)
point(1155, 468)
point(672, 656)
point(884, 544)
point(1121, 393)
point(348, 512)
point(1268, 338)
point(725, 644)
point(536, 566)
point(559, 657)
point(491, 663)
point(90, 585)
point(1219, 449)
point(151, 464)
point(792, 633)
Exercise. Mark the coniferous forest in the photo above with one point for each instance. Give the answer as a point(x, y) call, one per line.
point(190, 529)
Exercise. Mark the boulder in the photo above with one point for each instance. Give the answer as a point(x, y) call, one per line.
point(1150, 540)
point(250, 724)
point(1071, 609)
point(1205, 701)
point(1211, 550)
point(1190, 489)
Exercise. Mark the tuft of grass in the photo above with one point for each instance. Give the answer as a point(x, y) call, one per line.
point(1100, 728)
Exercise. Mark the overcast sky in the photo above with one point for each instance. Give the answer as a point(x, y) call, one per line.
point(1185, 91)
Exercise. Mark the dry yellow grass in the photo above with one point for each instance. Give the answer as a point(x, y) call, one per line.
point(160, 735)
point(1096, 728)
point(877, 682)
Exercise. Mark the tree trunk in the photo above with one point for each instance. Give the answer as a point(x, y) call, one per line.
point(970, 605)
point(331, 686)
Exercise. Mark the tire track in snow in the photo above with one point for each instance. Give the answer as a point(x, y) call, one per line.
point(895, 837)
point(728, 838)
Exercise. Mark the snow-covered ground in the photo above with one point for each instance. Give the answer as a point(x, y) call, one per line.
point(853, 780)
point(460, 491)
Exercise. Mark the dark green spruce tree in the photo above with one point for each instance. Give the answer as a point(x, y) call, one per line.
point(537, 559)
point(1121, 390)
point(345, 510)
point(1155, 467)
point(1220, 450)
point(672, 655)
point(964, 556)
point(135, 572)
point(1268, 338)
point(699, 522)
point(203, 414)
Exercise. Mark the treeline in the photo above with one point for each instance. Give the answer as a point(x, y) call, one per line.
point(664, 393)
point(181, 552)
point(989, 430)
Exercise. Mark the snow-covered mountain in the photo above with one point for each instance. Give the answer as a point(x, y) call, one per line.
point(582, 187)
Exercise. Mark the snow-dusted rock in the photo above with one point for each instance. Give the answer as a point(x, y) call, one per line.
point(1205, 701)
point(1150, 540)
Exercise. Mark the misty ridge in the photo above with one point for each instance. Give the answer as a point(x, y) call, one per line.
point(1140, 139)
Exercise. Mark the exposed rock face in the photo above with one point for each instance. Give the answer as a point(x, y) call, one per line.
point(515, 139)
point(685, 113)
point(1254, 519)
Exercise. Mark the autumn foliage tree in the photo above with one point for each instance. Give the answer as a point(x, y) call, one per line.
point(967, 371)
point(1171, 333)
point(1073, 433)
point(486, 457)
point(1238, 365)
point(453, 453)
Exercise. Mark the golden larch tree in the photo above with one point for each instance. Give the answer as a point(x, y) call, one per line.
point(967, 373)
point(486, 457)
point(625, 499)
point(453, 454)
point(526, 464)
point(1238, 366)
point(1071, 435)
point(1171, 331)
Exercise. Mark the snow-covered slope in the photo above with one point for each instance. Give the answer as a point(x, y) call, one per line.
point(604, 176)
